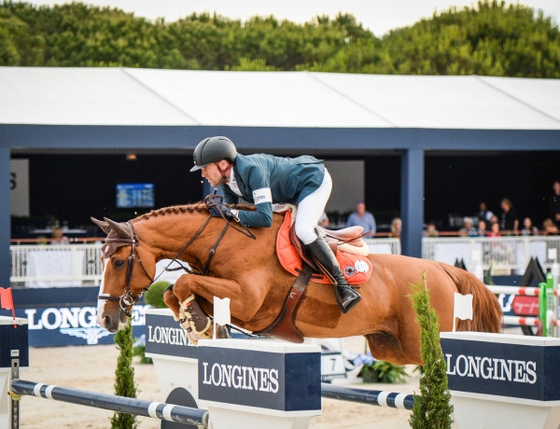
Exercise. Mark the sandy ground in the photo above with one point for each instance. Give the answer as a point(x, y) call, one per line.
point(92, 368)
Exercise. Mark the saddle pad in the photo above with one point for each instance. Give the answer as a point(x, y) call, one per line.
point(356, 268)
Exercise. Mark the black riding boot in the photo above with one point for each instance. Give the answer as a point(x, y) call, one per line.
point(324, 255)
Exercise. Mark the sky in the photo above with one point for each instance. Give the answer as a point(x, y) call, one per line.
point(378, 16)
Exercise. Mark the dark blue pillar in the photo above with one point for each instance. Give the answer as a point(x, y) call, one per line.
point(5, 224)
point(412, 201)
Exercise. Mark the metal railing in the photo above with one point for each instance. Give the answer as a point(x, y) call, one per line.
point(80, 264)
point(55, 265)
point(501, 255)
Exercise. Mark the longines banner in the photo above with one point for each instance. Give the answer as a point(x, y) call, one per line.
point(67, 316)
point(504, 369)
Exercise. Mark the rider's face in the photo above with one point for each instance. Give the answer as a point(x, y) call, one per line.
point(211, 173)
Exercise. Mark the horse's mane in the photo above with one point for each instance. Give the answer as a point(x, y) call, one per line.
point(194, 207)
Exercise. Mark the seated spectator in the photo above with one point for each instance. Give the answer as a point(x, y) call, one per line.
point(431, 230)
point(529, 228)
point(361, 217)
point(396, 228)
point(481, 231)
point(495, 230)
point(549, 227)
point(468, 229)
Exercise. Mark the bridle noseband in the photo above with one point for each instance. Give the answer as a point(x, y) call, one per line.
point(128, 298)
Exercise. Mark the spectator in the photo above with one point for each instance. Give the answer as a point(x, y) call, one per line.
point(529, 228)
point(468, 229)
point(554, 202)
point(494, 219)
point(495, 230)
point(396, 228)
point(361, 217)
point(58, 236)
point(549, 227)
point(431, 230)
point(510, 221)
point(482, 231)
point(484, 213)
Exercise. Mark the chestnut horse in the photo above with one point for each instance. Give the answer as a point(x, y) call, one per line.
point(247, 271)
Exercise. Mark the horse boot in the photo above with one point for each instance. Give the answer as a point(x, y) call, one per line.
point(323, 254)
point(194, 321)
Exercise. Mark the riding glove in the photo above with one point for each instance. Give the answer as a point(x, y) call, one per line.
point(228, 213)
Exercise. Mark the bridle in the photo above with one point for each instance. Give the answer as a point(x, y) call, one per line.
point(127, 299)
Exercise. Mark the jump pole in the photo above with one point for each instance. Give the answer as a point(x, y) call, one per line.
point(155, 410)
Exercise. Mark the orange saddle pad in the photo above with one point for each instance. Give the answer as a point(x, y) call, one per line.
point(356, 268)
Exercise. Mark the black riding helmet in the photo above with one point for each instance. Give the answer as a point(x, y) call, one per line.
point(213, 149)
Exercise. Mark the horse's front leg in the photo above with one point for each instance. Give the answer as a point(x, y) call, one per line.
point(192, 318)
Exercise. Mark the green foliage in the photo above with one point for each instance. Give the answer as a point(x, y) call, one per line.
point(383, 372)
point(432, 409)
point(489, 39)
point(154, 294)
point(124, 377)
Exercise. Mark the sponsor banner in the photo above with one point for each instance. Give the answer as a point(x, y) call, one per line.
point(513, 370)
point(277, 381)
point(165, 336)
point(68, 316)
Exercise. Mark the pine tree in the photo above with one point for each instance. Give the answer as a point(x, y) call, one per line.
point(432, 409)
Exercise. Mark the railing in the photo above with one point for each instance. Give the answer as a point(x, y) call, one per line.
point(503, 255)
point(56, 265)
point(80, 264)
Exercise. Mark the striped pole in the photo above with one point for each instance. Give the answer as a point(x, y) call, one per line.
point(156, 410)
point(379, 398)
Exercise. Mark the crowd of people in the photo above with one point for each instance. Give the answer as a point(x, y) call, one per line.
point(484, 223)
point(487, 224)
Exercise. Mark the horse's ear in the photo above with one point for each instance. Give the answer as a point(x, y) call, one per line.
point(119, 228)
point(103, 225)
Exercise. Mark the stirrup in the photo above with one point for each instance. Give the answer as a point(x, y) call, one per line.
point(352, 304)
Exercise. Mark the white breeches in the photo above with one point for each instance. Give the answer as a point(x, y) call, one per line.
point(310, 209)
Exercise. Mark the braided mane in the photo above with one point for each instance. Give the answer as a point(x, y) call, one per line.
point(200, 206)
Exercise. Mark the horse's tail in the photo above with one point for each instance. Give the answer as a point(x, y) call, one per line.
point(487, 312)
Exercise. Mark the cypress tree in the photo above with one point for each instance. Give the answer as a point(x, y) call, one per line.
point(124, 377)
point(432, 409)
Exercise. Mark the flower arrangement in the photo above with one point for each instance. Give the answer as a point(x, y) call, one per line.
point(378, 371)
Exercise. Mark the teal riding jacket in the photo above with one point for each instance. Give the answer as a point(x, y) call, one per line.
point(289, 180)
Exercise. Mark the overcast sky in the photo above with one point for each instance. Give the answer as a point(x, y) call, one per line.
point(377, 16)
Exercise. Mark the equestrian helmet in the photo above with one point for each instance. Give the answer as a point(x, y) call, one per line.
point(213, 149)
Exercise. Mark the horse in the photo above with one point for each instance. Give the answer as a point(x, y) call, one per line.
point(229, 261)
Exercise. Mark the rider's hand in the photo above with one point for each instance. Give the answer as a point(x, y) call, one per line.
point(228, 213)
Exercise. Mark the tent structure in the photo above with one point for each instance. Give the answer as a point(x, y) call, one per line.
point(121, 109)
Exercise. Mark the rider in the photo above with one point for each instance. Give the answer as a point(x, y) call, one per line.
point(265, 179)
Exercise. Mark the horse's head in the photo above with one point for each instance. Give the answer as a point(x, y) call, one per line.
point(126, 273)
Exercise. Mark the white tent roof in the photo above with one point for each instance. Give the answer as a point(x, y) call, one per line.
point(125, 96)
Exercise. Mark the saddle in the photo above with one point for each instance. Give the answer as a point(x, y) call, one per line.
point(353, 262)
point(347, 244)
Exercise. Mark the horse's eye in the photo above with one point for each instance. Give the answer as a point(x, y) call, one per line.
point(117, 263)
